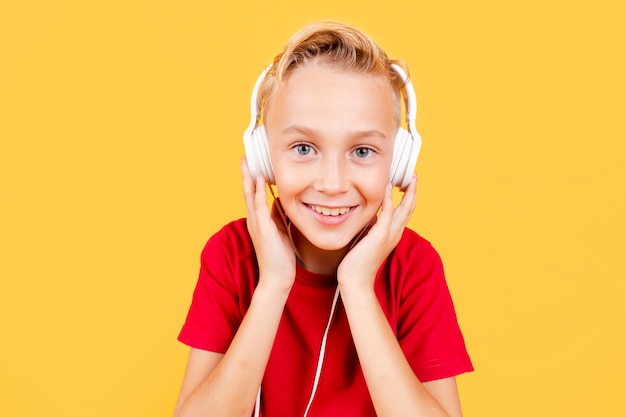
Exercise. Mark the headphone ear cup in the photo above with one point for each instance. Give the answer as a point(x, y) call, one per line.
point(255, 139)
point(258, 155)
point(401, 170)
point(252, 154)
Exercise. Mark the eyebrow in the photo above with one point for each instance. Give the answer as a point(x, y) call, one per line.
point(370, 133)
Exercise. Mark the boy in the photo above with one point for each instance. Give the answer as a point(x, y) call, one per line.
point(326, 302)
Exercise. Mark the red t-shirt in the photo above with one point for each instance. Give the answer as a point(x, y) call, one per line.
point(412, 292)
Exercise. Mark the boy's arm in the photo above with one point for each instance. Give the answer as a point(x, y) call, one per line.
point(227, 384)
point(394, 388)
point(446, 393)
point(200, 364)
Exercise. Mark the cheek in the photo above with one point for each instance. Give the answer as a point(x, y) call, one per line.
point(287, 185)
point(377, 176)
point(378, 196)
point(373, 191)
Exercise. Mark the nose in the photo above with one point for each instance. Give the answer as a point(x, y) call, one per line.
point(332, 177)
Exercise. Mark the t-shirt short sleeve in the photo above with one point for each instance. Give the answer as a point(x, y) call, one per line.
point(426, 323)
point(223, 291)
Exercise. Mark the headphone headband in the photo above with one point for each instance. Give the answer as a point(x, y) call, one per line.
point(410, 100)
point(255, 111)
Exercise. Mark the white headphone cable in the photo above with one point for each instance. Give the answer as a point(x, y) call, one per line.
point(320, 362)
point(320, 359)
point(257, 404)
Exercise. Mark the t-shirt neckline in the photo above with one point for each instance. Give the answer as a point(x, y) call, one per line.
point(312, 278)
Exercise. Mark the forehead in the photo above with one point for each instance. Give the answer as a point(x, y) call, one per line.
point(329, 91)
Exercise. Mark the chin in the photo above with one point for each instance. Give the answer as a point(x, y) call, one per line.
point(331, 246)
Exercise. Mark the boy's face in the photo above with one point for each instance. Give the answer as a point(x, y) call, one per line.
point(331, 135)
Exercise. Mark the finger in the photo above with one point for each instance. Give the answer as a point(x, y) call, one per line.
point(404, 210)
point(260, 197)
point(248, 187)
point(278, 216)
point(255, 197)
point(410, 195)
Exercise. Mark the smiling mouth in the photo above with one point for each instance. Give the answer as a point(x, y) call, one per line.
point(330, 211)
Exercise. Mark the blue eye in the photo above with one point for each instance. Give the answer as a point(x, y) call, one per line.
point(362, 152)
point(303, 149)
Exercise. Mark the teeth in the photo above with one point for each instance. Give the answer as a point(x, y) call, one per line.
point(327, 211)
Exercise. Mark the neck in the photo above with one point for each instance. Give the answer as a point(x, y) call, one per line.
point(314, 259)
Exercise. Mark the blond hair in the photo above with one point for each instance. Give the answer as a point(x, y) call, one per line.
point(333, 43)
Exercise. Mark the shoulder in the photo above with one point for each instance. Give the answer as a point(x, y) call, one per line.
point(233, 237)
point(413, 248)
point(230, 248)
point(229, 259)
point(413, 264)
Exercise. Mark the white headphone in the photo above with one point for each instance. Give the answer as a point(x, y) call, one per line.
point(407, 143)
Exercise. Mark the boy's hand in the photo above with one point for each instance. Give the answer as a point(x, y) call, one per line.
point(359, 267)
point(275, 254)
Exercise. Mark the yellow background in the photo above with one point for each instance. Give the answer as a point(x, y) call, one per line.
point(120, 142)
